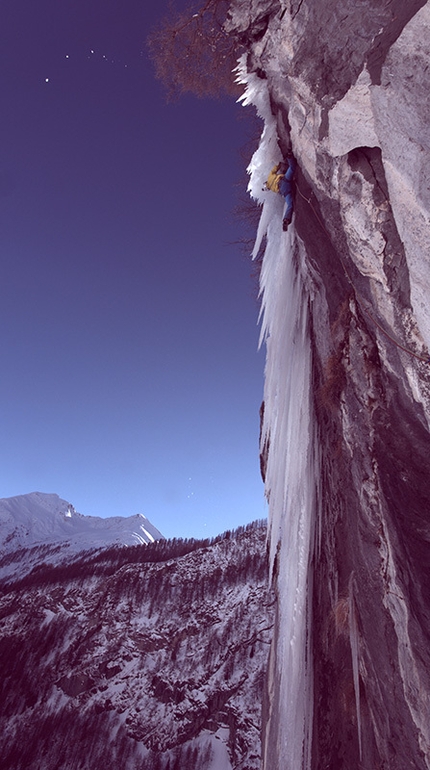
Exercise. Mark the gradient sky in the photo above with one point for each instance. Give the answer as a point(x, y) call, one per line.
point(130, 378)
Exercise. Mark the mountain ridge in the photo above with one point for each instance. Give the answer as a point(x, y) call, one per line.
point(40, 518)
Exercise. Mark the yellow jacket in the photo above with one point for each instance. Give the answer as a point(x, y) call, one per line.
point(274, 178)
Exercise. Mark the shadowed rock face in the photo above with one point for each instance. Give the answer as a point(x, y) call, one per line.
point(348, 83)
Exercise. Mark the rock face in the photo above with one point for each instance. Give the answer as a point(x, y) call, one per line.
point(150, 657)
point(347, 412)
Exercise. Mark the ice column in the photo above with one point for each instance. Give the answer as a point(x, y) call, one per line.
point(291, 478)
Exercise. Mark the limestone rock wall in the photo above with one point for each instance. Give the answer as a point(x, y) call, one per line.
point(349, 87)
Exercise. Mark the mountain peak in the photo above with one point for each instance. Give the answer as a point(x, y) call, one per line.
point(39, 518)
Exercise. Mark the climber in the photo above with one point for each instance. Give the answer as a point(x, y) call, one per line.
point(280, 180)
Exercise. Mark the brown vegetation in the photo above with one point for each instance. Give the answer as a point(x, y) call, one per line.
point(192, 51)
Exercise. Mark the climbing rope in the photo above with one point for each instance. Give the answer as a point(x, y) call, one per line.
point(425, 359)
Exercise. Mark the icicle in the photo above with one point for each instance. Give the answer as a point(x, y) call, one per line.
point(288, 430)
point(267, 153)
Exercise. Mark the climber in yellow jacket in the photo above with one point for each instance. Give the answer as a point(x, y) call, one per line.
point(280, 180)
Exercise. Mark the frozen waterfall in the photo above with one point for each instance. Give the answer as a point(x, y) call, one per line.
point(288, 427)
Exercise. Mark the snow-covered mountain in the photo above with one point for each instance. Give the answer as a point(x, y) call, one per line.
point(45, 519)
point(39, 527)
point(146, 657)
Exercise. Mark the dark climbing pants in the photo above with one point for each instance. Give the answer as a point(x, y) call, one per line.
point(286, 190)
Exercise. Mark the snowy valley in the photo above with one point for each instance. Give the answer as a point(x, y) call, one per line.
point(143, 657)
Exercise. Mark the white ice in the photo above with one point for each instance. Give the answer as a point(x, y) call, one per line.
point(292, 468)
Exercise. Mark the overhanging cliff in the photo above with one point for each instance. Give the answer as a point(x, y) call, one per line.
point(347, 409)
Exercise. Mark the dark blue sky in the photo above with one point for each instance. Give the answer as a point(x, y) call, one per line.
point(130, 377)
